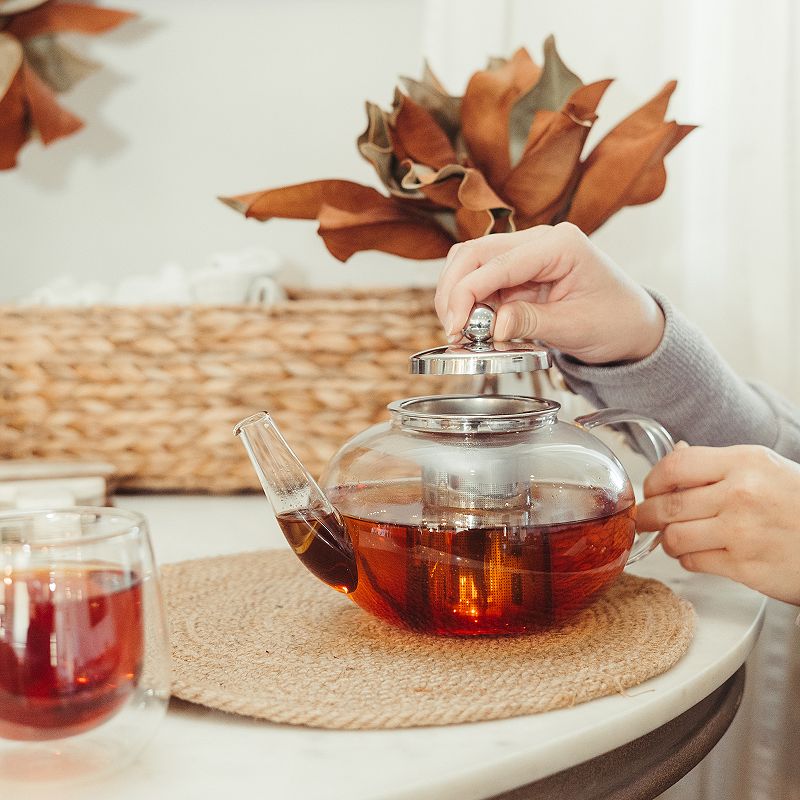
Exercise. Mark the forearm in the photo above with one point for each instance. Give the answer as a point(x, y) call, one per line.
point(690, 389)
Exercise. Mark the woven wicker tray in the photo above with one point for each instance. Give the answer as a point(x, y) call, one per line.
point(156, 391)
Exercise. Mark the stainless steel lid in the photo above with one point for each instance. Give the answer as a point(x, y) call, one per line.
point(480, 355)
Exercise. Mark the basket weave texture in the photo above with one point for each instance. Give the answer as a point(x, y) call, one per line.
point(157, 390)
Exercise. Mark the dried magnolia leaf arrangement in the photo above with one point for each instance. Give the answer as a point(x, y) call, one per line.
point(34, 65)
point(505, 156)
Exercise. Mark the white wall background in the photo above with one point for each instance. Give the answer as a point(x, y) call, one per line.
point(198, 99)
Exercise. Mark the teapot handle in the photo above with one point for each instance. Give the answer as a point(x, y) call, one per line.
point(662, 442)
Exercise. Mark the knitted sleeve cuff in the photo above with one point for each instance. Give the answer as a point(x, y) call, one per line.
point(687, 386)
point(656, 377)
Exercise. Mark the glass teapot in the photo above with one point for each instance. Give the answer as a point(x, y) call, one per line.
point(463, 514)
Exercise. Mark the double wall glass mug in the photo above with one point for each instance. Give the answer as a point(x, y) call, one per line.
point(84, 657)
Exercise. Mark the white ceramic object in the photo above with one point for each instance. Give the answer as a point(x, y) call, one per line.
point(243, 277)
point(234, 278)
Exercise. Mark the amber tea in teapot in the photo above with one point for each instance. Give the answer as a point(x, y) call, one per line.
point(500, 579)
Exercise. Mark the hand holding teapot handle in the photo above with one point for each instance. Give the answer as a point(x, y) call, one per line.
point(662, 443)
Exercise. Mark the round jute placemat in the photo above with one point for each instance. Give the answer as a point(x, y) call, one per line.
point(255, 634)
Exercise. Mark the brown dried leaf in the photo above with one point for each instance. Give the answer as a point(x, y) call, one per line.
point(53, 17)
point(622, 175)
point(384, 226)
point(387, 156)
point(485, 112)
point(432, 96)
point(538, 187)
point(13, 122)
point(474, 224)
point(51, 120)
point(647, 116)
point(464, 186)
point(525, 72)
point(57, 65)
point(477, 207)
point(626, 167)
point(304, 200)
point(581, 104)
point(416, 135)
point(10, 61)
point(551, 91)
point(651, 183)
point(375, 145)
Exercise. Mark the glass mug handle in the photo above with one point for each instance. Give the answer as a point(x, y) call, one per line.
point(662, 443)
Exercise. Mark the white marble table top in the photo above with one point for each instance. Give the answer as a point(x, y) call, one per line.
point(199, 753)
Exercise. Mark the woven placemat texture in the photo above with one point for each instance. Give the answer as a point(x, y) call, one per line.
point(255, 634)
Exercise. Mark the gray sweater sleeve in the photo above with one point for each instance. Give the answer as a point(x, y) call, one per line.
point(690, 389)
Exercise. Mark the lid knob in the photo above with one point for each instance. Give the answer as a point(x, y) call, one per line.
point(480, 325)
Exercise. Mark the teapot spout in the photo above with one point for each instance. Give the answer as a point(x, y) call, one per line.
point(310, 523)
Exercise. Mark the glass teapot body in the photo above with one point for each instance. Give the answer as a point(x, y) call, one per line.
point(480, 515)
point(462, 515)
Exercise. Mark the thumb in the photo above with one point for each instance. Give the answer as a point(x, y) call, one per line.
point(521, 320)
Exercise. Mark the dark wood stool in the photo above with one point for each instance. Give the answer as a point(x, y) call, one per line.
point(649, 765)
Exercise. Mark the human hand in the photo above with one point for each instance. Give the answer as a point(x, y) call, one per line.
point(551, 284)
point(729, 511)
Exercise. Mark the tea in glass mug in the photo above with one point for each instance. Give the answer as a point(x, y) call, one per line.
point(84, 661)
